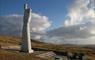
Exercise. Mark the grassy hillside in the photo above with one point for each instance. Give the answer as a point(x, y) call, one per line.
point(14, 55)
point(9, 55)
point(9, 40)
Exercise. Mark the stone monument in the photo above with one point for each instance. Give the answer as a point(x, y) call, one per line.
point(26, 41)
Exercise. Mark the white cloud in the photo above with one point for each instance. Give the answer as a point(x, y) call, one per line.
point(80, 13)
point(72, 32)
point(12, 24)
point(61, 40)
point(39, 23)
point(79, 27)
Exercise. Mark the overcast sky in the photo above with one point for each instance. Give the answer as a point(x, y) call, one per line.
point(55, 21)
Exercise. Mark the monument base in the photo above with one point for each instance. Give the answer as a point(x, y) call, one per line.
point(29, 51)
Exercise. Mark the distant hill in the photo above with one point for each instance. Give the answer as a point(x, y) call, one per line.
point(11, 40)
point(89, 46)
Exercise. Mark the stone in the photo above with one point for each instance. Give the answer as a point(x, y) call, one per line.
point(26, 41)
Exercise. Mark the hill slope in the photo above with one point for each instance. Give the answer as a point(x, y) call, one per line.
point(9, 40)
point(11, 54)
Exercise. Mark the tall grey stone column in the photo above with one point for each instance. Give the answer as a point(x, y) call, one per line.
point(26, 41)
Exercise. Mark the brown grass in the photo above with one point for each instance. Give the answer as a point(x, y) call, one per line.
point(9, 55)
point(36, 44)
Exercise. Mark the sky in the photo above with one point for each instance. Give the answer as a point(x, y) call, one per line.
point(54, 9)
point(53, 21)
